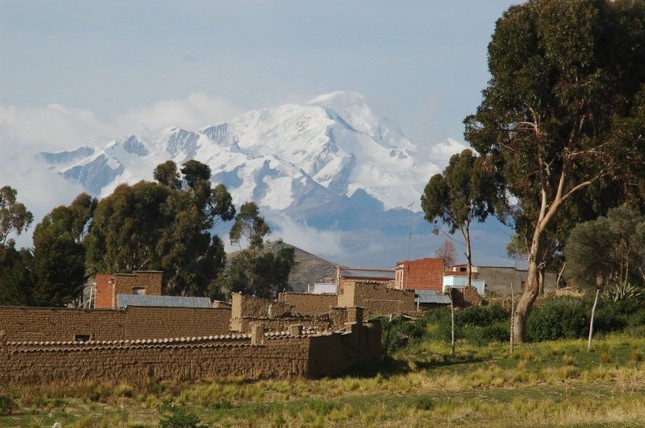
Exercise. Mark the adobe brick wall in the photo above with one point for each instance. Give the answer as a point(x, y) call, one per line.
point(280, 324)
point(377, 299)
point(257, 308)
point(309, 304)
point(420, 274)
point(63, 324)
point(272, 355)
point(150, 322)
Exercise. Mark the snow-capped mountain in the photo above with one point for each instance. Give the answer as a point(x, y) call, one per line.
point(285, 157)
point(332, 163)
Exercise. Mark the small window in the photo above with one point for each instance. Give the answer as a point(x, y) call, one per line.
point(139, 291)
point(82, 338)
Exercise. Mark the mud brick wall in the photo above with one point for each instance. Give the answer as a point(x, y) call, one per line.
point(151, 322)
point(377, 299)
point(271, 355)
point(124, 283)
point(309, 304)
point(64, 324)
point(282, 324)
point(138, 362)
point(468, 296)
point(256, 308)
point(335, 353)
point(61, 324)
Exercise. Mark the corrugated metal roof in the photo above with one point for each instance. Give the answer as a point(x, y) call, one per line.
point(124, 300)
point(367, 273)
point(431, 296)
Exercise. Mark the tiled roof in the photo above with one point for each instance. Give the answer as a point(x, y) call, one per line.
point(124, 300)
point(368, 273)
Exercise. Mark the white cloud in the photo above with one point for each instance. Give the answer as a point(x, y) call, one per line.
point(25, 132)
point(53, 127)
point(198, 110)
point(324, 243)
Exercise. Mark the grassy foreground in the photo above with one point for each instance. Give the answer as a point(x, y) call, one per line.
point(542, 384)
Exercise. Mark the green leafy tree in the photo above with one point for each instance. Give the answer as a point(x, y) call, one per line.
point(164, 226)
point(254, 270)
point(59, 255)
point(464, 193)
point(607, 251)
point(14, 216)
point(562, 116)
point(16, 276)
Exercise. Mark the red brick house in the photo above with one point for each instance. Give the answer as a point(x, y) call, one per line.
point(139, 282)
point(419, 274)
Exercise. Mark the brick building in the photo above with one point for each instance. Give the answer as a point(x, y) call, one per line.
point(419, 274)
point(377, 276)
point(146, 283)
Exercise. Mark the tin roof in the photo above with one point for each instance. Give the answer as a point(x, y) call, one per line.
point(368, 273)
point(431, 296)
point(125, 300)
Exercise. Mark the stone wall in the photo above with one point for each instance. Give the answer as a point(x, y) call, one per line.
point(309, 304)
point(377, 299)
point(270, 355)
point(65, 324)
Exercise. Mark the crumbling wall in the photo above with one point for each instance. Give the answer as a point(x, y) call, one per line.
point(309, 304)
point(254, 308)
point(377, 299)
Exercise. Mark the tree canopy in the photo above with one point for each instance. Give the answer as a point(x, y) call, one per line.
point(562, 116)
point(14, 216)
point(607, 251)
point(253, 269)
point(464, 193)
point(163, 225)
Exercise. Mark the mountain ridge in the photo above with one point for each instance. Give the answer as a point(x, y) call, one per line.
point(340, 172)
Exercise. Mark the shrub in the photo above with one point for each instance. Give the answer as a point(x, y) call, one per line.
point(7, 405)
point(559, 318)
point(480, 325)
point(179, 417)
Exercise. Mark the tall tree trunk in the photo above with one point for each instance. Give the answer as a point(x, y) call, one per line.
point(469, 258)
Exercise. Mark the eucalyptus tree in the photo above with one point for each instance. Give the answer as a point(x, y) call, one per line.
point(463, 193)
point(164, 225)
point(255, 269)
point(14, 216)
point(59, 254)
point(563, 115)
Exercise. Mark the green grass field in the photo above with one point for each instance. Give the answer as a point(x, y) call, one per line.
point(542, 384)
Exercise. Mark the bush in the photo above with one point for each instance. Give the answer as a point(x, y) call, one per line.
point(179, 417)
point(563, 317)
point(480, 325)
point(7, 405)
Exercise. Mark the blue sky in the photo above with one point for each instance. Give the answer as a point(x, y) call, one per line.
point(74, 72)
point(422, 63)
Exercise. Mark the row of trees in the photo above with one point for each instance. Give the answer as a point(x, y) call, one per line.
point(162, 225)
point(559, 131)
